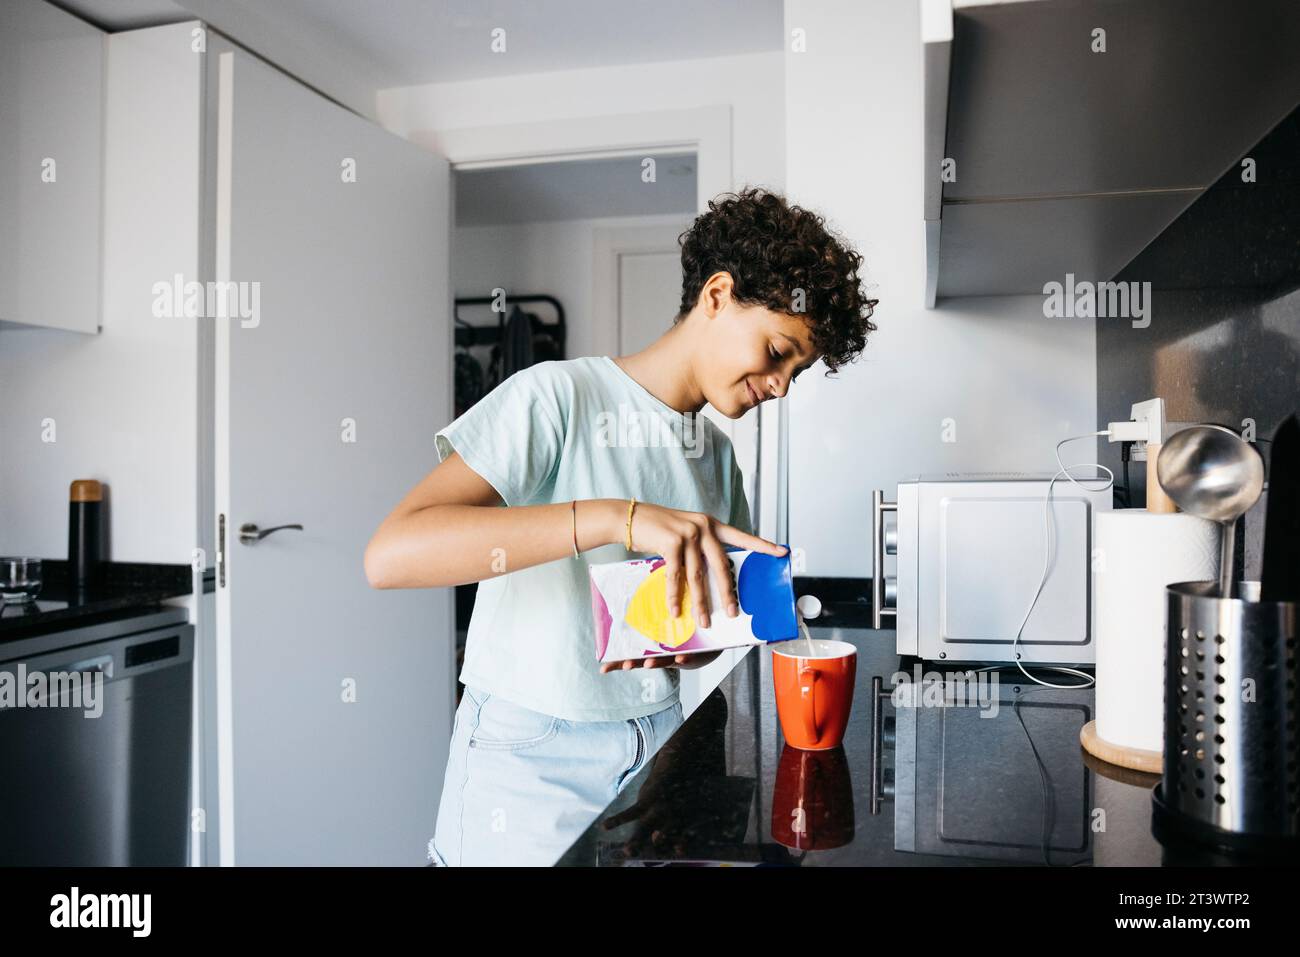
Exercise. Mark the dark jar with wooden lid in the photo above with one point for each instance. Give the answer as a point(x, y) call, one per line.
point(85, 533)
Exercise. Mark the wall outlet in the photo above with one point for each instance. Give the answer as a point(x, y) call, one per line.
point(1152, 412)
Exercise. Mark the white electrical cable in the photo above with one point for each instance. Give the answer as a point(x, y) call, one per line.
point(1049, 527)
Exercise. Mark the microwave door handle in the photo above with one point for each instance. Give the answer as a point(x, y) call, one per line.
point(878, 509)
point(877, 714)
point(882, 733)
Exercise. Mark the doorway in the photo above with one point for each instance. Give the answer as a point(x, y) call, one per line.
point(582, 249)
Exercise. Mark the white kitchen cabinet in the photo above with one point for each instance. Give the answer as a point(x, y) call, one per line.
point(51, 167)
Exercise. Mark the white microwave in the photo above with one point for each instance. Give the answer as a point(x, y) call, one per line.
point(970, 554)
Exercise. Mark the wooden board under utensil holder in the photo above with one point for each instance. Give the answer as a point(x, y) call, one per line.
point(1157, 501)
point(1139, 759)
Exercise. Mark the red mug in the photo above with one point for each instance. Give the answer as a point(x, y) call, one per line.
point(814, 691)
point(812, 801)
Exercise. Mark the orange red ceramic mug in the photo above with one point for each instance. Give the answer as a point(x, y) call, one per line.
point(814, 692)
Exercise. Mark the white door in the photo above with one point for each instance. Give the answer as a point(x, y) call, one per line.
point(334, 699)
point(649, 294)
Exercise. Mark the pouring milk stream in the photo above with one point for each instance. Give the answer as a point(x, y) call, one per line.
point(808, 607)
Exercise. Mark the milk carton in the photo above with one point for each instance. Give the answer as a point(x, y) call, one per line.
point(629, 603)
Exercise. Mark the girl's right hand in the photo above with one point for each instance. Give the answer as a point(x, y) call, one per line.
point(690, 542)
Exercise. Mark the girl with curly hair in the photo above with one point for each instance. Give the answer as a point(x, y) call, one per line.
point(598, 459)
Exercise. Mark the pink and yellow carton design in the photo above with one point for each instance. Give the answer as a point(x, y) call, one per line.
point(629, 602)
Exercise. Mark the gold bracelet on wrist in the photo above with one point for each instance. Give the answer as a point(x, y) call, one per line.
point(574, 509)
point(630, 506)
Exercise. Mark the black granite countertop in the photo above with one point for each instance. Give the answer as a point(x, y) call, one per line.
point(117, 590)
point(949, 785)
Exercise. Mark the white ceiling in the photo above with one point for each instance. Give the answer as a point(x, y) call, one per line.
point(408, 42)
point(115, 15)
point(576, 189)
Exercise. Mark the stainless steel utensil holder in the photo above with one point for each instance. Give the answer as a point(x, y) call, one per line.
point(1230, 743)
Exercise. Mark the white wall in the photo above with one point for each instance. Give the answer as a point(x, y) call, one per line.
point(1014, 382)
point(125, 401)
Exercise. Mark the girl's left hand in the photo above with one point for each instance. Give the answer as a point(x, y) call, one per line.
point(696, 659)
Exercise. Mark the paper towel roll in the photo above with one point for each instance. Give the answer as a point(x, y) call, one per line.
point(1139, 553)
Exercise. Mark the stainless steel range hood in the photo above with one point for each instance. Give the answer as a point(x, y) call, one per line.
point(1077, 130)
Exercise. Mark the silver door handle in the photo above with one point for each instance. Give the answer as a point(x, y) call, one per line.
point(249, 534)
point(102, 663)
point(879, 541)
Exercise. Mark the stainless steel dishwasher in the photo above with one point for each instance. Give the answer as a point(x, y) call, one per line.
point(79, 789)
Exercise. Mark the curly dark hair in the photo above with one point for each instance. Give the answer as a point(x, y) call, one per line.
point(771, 249)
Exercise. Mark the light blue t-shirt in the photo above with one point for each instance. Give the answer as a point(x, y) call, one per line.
point(579, 429)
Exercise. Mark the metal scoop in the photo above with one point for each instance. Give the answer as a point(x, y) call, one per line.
point(1211, 472)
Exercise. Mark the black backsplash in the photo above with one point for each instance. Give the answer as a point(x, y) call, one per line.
point(1223, 345)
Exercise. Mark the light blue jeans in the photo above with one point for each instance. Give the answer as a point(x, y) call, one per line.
point(521, 786)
